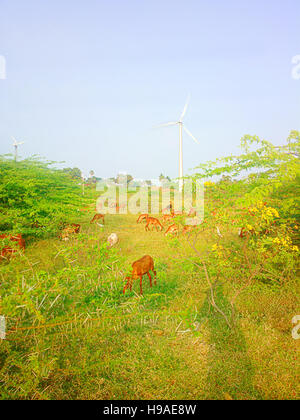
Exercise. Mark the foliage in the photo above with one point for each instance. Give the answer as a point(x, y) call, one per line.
point(216, 325)
point(74, 173)
point(36, 198)
point(254, 196)
point(262, 170)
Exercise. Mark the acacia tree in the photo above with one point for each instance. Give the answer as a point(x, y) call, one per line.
point(255, 194)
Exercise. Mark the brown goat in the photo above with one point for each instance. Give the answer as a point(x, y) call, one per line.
point(167, 217)
point(69, 230)
point(154, 222)
point(97, 216)
point(188, 228)
point(172, 229)
point(139, 268)
point(142, 217)
point(7, 250)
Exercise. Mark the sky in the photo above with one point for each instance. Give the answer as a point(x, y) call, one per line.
point(86, 81)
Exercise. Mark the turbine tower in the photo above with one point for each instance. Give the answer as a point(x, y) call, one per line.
point(16, 144)
point(180, 124)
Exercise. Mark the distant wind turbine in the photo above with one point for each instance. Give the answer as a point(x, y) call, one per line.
point(16, 144)
point(180, 123)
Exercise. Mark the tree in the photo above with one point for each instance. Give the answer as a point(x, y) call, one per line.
point(256, 194)
point(34, 193)
point(74, 173)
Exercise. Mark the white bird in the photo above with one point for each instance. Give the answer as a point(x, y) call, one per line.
point(180, 123)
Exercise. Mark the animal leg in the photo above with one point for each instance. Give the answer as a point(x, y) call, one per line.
point(150, 279)
point(141, 280)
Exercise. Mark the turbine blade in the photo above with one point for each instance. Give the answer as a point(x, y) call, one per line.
point(185, 108)
point(15, 141)
point(166, 124)
point(190, 134)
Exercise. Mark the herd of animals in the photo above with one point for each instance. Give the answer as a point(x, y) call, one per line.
point(140, 267)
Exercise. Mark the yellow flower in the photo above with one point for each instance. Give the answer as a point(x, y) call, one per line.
point(295, 248)
point(216, 247)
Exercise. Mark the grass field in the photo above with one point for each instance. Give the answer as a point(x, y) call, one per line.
point(167, 344)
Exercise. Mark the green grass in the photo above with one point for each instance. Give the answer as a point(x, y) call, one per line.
point(168, 344)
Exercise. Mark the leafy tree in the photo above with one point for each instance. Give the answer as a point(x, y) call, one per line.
point(256, 194)
point(35, 197)
point(75, 173)
point(261, 171)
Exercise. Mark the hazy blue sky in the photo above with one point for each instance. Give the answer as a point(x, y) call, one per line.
point(87, 80)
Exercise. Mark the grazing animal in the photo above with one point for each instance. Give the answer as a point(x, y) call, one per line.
point(142, 217)
point(167, 217)
point(152, 221)
point(112, 239)
point(140, 267)
point(172, 229)
point(7, 250)
point(188, 228)
point(69, 230)
point(97, 216)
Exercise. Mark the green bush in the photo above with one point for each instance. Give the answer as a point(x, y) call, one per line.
point(35, 197)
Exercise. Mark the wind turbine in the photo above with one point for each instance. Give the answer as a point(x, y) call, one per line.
point(180, 124)
point(16, 144)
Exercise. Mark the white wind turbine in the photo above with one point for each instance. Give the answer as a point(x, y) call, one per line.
point(16, 144)
point(180, 123)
